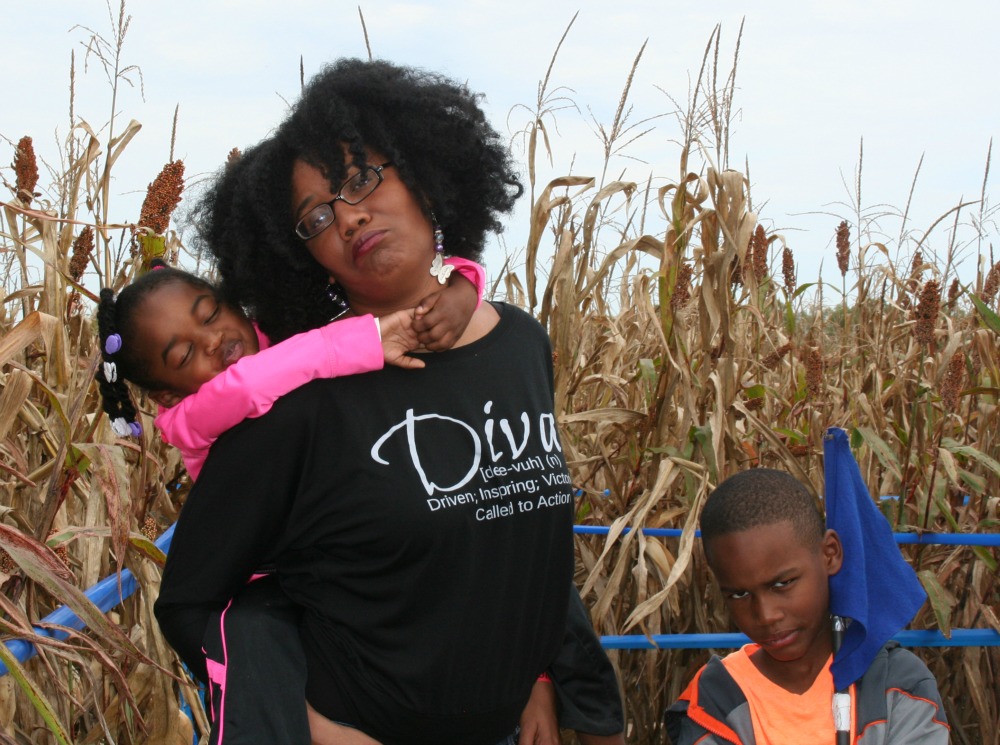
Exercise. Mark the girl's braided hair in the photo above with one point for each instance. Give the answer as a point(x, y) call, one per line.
point(118, 335)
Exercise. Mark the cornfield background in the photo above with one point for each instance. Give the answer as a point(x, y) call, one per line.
point(681, 355)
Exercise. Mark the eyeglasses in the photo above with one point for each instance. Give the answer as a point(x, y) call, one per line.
point(353, 191)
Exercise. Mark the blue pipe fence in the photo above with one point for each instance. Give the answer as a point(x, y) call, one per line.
point(106, 595)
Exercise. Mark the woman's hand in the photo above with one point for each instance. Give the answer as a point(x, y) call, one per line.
point(539, 724)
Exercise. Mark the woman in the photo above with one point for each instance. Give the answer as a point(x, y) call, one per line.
point(423, 520)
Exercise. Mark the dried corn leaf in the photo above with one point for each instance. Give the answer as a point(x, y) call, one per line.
point(35, 696)
point(941, 600)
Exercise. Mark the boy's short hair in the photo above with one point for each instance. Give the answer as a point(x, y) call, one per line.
point(760, 496)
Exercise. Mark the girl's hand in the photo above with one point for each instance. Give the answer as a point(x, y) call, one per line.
point(539, 725)
point(441, 318)
point(398, 338)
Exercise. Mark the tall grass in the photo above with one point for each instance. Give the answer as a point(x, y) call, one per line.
point(681, 356)
point(672, 376)
point(78, 503)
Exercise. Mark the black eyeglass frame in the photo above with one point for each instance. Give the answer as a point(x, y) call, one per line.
point(300, 226)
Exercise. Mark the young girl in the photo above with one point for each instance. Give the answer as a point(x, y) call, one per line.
point(170, 333)
point(208, 367)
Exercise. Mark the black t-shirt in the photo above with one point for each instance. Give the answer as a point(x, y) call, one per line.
point(422, 518)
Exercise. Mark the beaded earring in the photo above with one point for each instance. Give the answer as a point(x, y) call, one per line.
point(439, 269)
point(335, 294)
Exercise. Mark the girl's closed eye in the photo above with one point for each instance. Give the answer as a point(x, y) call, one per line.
point(213, 315)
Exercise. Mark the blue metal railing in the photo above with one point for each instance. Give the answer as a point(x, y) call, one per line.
point(952, 539)
point(105, 595)
point(915, 638)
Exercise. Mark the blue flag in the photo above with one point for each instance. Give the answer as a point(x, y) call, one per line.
point(876, 588)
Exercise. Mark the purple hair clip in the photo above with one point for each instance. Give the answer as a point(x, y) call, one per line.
point(123, 429)
point(112, 344)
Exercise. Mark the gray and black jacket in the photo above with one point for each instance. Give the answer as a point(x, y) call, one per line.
point(897, 702)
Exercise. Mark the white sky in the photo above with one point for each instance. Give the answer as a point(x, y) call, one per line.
point(913, 78)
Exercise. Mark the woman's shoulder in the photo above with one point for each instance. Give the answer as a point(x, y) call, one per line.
point(515, 315)
point(494, 320)
point(521, 324)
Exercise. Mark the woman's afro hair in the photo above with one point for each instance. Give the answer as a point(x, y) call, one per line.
point(430, 127)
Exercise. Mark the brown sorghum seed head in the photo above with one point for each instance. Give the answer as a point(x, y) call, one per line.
point(843, 247)
point(682, 289)
point(952, 383)
point(149, 528)
point(788, 270)
point(7, 565)
point(162, 197)
point(60, 551)
point(736, 274)
point(953, 292)
point(813, 361)
point(975, 362)
point(918, 262)
point(234, 155)
point(25, 170)
point(759, 243)
point(83, 246)
point(926, 312)
point(992, 284)
point(771, 361)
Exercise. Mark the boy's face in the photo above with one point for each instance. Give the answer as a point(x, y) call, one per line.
point(776, 587)
point(188, 337)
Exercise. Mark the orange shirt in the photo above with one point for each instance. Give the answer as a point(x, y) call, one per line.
point(781, 717)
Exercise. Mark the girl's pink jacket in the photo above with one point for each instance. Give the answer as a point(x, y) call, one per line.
point(249, 388)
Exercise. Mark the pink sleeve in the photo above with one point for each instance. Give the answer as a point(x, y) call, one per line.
point(472, 272)
point(250, 387)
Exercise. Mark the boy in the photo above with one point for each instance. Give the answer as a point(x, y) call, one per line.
point(766, 545)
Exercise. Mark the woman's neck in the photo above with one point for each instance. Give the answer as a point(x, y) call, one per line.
point(405, 298)
point(483, 321)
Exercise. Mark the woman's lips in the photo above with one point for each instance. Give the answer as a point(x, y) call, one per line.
point(365, 243)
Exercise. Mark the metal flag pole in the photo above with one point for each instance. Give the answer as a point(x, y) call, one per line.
point(841, 698)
